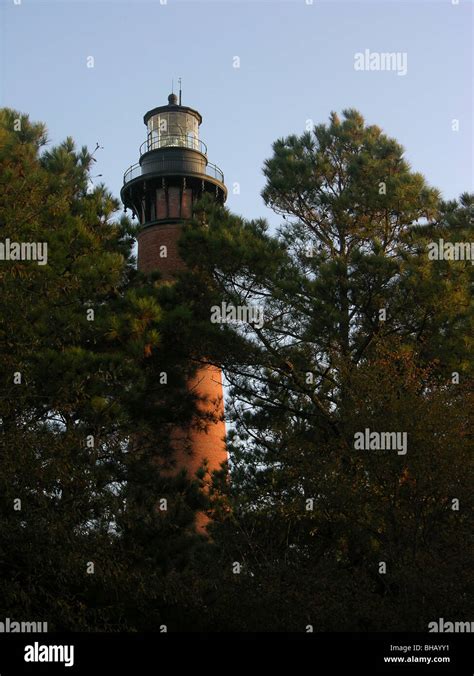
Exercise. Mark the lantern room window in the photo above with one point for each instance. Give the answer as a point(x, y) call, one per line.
point(173, 128)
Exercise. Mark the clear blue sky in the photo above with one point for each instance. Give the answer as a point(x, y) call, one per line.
point(296, 63)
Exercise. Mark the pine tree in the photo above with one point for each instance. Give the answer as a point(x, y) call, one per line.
point(362, 330)
point(92, 535)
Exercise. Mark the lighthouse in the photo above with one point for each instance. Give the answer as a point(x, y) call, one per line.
point(161, 189)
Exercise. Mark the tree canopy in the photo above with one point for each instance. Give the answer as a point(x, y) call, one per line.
point(363, 333)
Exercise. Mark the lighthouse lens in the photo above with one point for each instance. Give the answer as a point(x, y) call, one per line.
point(173, 129)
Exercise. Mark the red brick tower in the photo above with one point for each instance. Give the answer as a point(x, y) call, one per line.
point(161, 189)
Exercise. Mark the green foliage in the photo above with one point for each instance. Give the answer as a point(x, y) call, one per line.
point(362, 330)
point(83, 432)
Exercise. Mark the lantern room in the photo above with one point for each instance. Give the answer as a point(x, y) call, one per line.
point(173, 170)
point(173, 126)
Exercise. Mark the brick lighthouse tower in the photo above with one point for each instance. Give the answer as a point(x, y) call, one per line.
point(172, 173)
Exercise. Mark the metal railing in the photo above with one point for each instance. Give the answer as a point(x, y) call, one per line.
point(168, 166)
point(173, 141)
